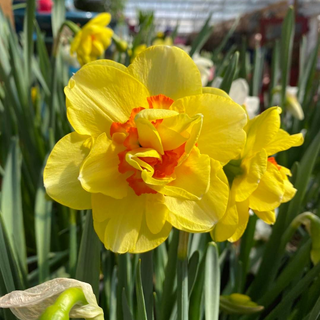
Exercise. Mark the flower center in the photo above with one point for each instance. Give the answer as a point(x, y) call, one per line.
point(146, 156)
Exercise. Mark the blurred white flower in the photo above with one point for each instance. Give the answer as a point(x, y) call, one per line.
point(292, 104)
point(262, 231)
point(70, 59)
point(204, 65)
point(239, 92)
point(31, 303)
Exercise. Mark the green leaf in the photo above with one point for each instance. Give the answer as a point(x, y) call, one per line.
point(287, 35)
point(5, 267)
point(43, 208)
point(195, 311)
point(293, 268)
point(257, 72)
point(73, 250)
point(307, 75)
point(28, 41)
point(147, 280)
point(212, 282)
point(225, 39)
point(307, 164)
point(113, 296)
point(11, 203)
point(141, 307)
point(280, 309)
point(247, 242)
point(202, 37)
point(274, 71)
point(88, 267)
point(125, 307)
point(193, 267)
point(182, 277)
point(58, 16)
point(230, 73)
point(167, 300)
point(315, 312)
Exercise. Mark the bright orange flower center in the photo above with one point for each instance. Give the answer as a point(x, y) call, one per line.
point(163, 167)
point(274, 162)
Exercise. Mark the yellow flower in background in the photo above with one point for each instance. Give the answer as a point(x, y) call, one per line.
point(167, 41)
point(136, 51)
point(256, 180)
point(93, 39)
point(148, 149)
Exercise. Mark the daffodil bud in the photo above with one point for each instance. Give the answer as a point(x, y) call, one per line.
point(312, 224)
point(121, 45)
point(52, 299)
point(238, 303)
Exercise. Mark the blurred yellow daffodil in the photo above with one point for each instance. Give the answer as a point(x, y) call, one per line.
point(148, 149)
point(136, 51)
point(238, 303)
point(256, 180)
point(93, 39)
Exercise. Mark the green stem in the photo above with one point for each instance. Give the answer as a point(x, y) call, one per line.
point(63, 305)
point(73, 243)
point(182, 273)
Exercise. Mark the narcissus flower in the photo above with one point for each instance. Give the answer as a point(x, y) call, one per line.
point(256, 180)
point(148, 149)
point(93, 39)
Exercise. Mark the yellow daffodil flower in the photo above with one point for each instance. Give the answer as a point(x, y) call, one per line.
point(256, 180)
point(148, 149)
point(137, 50)
point(93, 39)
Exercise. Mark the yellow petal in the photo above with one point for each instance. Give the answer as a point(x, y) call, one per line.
point(243, 214)
point(253, 170)
point(227, 225)
point(192, 178)
point(97, 48)
point(75, 42)
point(289, 190)
point(268, 217)
point(269, 193)
point(156, 213)
point(283, 141)
point(261, 130)
point(62, 171)
point(200, 216)
point(121, 224)
point(148, 135)
point(101, 19)
point(104, 35)
point(85, 45)
point(99, 172)
point(167, 70)
point(222, 136)
point(215, 91)
point(108, 63)
point(99, 95)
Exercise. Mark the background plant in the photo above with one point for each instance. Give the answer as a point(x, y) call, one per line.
point(41, 240)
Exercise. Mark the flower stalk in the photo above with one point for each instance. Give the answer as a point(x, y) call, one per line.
point(63, 305)
point(182, 273)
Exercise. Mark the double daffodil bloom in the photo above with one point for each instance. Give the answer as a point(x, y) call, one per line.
point(148, 149)
point(93, 39)
point(256, 180)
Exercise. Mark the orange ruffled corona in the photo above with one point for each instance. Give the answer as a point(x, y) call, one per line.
point(148, 149)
